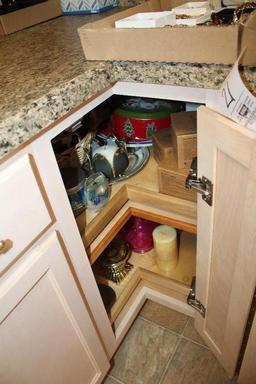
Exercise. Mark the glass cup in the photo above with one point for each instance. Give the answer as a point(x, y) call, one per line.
point(97, 191)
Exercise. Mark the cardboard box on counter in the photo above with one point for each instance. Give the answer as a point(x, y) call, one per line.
point(199, 44)
point(26, 17)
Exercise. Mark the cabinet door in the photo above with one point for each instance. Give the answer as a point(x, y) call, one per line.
point(46, 333)
point(226, 262)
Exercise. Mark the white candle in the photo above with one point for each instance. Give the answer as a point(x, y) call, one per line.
point(165, 245)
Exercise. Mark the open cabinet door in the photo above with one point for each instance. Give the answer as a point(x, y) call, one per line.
point(226, 250)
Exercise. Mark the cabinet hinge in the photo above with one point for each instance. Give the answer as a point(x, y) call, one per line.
point(192, 301)
point(201, 185)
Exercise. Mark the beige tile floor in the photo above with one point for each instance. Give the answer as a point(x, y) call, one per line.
point(162, 347)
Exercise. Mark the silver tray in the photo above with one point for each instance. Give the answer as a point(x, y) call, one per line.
point(138, 158)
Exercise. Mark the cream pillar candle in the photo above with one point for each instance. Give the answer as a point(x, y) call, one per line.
point(165, 245)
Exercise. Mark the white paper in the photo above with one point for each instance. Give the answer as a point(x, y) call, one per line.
point(234, 100)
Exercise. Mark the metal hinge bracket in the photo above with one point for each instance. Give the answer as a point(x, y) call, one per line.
point(192, 301)
point(201, 185)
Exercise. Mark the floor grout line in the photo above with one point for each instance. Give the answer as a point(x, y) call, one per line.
point(160, 326)
point(185, 326)
point(175, 333)
point(169, 361)
point(180, 337)
point(195, 342)
point(116, 380)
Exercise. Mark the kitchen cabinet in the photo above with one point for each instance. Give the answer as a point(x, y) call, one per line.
point(225, 267)
point(225, 255)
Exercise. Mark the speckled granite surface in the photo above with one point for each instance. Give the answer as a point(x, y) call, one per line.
point(44, 74)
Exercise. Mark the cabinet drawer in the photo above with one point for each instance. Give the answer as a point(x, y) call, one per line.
point(24, 214)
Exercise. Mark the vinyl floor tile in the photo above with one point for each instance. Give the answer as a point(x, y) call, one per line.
point(164, 316)
point(143, 354)
point(111, 380)
point(191, 333)
point(194, 364)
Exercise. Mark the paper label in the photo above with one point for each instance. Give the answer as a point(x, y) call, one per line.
point(234, 100)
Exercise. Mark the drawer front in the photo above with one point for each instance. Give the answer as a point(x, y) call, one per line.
point(23, 211)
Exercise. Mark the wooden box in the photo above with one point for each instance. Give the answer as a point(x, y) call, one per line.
point(162, 144)
point(184, 137)
point(26, 17)
point(172, 179)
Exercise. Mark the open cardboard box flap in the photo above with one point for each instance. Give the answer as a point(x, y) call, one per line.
point(201, 44)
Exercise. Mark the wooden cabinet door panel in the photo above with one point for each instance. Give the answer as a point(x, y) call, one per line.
point(226, 263)
point(46, 333)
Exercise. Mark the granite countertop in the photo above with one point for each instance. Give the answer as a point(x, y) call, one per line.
point(44, 74)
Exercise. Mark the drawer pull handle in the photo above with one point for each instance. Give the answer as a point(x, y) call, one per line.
point(2, 246)
point(5, 246)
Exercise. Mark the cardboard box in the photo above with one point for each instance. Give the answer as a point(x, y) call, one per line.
point(74, 7)
point(162, 144)
point(26, 17)
point(172, 179)
point(184, 137)
point(200, 44)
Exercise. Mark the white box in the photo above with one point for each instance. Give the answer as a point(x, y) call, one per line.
point(147, 20)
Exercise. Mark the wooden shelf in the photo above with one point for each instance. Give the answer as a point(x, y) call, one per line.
point(139, 196)
point(123, 290)
point(169, 216)
point(141, 190)
point(149, 180)
point(146, 270)
point(185, 269)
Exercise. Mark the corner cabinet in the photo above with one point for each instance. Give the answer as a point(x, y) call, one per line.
point(54, 327)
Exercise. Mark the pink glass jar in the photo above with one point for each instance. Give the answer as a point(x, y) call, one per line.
point(138, 233)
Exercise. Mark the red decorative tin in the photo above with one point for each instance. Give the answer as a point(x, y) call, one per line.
point(132, 128)
point(137, 119)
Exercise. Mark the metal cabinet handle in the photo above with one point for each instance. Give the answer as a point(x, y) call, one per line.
point(2, 246)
